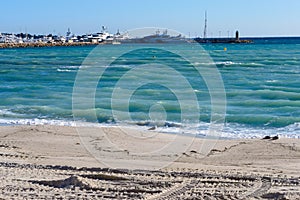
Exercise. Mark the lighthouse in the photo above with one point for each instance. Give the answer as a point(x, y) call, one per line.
point(237, 36)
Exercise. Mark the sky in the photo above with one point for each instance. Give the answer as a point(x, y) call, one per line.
point(250, 17)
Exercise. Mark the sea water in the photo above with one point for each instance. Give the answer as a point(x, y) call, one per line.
point(261, 81)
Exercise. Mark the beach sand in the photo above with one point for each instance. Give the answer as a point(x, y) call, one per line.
point(60, 162)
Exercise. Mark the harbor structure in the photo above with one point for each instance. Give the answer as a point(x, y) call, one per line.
point(212, 39)
point(237, 36)
point(205, 27)
point(10, 39)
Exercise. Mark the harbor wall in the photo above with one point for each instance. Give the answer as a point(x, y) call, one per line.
point(42, 44)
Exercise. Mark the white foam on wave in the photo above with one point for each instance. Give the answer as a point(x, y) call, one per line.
point(271, 81)
point(74, 68)
point(7, 113)
point(243, 131)
point(64, 70)
point(230, 131)
point(236, 131)
point(227, 63)
point(255, 64)
point(36, 122)
point(51, 122)
point(70, 67)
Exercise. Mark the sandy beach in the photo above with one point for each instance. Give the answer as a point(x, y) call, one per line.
point(57, 162)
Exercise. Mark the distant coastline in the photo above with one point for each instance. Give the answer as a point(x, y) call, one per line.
point(23, 40)
point(247, 40)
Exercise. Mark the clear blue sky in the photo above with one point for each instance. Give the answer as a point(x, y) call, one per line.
point(250, 17)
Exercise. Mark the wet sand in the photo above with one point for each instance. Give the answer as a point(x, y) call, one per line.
point(58, 162)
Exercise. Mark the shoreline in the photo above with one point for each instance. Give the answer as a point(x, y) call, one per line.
point(130, 133)
point(172, 128)
point(55, 162)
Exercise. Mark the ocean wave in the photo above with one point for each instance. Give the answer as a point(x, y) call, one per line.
point(70, 67)
point(229, 63)
point(6, 113)
point(244, 131)
point(64, 70)
point(216, 63)
point(75, 68)
point(226, 63)
point(53, 122)
point(36, 122)
point(229, 131)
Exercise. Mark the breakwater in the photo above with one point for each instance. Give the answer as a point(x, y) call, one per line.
point(42, 44)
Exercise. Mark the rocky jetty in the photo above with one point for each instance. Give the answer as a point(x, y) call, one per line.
point(42, 44)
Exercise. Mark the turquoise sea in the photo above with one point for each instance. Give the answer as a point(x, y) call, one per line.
point(261, 81)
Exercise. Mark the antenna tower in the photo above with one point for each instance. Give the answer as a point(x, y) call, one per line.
point(205, 26)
